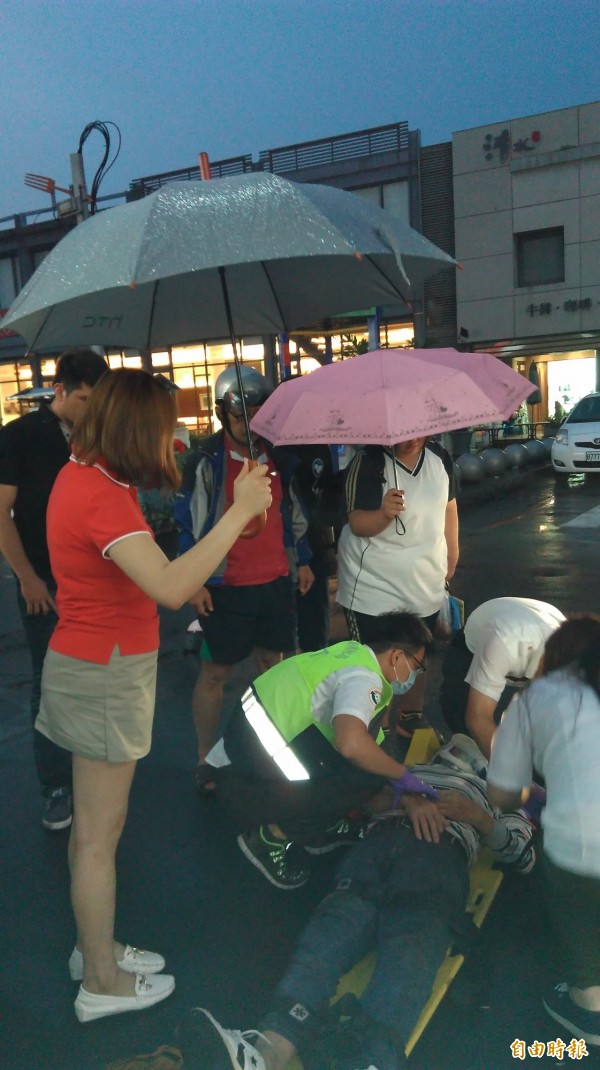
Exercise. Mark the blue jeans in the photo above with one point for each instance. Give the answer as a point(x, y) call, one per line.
point(395, 894)
point(52, 763)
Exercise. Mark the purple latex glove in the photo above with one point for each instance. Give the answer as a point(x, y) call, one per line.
point(535, 803)
point(409, 784)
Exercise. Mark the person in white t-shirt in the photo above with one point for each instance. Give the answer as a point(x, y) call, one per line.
point(554, 728)
point(499, 651)
point(400, 545)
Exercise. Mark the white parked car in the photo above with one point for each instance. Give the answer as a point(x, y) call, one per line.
point(576, 447)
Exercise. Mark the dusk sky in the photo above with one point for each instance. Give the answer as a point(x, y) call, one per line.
point(237, 76)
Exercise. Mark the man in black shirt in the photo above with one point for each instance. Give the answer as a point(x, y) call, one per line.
point(33, 449)
point(321, 488)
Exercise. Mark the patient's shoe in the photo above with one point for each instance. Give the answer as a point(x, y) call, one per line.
point(203, 1042)
point(134, 960)
point(352, 1040)
point(343, 834)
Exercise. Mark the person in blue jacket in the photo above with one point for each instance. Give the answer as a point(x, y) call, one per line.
point(247, 605)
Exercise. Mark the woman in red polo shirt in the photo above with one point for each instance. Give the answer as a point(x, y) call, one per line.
point(99, 677)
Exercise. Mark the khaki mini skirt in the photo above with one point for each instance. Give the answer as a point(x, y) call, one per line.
point(102, 712)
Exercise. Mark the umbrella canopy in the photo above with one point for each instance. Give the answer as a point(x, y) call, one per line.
point(33, 393)
point(390, 395)
point(151, 273)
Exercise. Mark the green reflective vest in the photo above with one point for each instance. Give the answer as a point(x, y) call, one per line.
point(286, 690)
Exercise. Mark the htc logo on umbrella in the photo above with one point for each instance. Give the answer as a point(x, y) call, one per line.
point(102, 321)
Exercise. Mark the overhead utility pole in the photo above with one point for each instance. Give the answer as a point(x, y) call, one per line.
point(80, 194)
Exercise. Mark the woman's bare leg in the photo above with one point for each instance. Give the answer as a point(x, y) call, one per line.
point(100, 793)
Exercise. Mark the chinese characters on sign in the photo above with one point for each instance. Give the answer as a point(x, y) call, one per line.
point(502, 145)
point(573, 305)
point(555, 1049)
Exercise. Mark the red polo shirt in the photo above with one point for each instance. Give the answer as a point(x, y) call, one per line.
point(99, 606)
point(262, 558)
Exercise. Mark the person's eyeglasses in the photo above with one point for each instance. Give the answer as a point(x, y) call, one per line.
point(422, 665)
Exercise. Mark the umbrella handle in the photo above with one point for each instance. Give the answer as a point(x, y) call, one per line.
point(258, 522)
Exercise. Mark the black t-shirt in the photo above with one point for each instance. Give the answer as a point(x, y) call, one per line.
point(321, 490)
point(33, 449)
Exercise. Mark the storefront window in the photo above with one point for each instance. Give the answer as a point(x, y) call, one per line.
point(568, 381)
point(14, 377)
point(47, 370)
point(344, 345)
point(195, 368)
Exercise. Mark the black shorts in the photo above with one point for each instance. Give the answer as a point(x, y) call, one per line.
point(243, 618)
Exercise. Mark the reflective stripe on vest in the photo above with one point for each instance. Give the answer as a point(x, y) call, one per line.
point(271, 738)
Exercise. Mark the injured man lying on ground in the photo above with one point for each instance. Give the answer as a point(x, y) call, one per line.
point(402, 891)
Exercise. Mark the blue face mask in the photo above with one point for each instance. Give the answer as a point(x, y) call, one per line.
point(400, 687)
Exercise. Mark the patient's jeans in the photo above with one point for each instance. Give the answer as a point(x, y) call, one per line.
point(397, 895)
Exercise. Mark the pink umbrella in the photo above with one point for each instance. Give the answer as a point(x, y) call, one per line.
point(390, 395)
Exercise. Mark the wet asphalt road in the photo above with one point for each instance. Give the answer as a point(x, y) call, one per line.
point(184, 887)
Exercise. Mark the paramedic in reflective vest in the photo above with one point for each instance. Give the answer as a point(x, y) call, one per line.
point(302, 749)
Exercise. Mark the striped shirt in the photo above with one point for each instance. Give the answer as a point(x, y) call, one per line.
point(509, 840)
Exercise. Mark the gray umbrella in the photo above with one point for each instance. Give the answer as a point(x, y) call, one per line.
point(252, 254)
point(33, 394)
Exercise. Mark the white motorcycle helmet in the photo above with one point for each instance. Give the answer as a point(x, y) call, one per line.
point(462, 754)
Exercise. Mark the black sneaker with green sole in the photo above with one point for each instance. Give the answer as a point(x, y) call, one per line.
point(272, 858)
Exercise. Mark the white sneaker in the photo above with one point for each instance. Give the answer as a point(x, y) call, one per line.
point(148, 991)
point(134, 961)
point(201, 1037)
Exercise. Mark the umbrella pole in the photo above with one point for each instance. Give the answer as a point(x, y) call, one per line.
point(393, 453)
point(236, 361)
point(397, 485)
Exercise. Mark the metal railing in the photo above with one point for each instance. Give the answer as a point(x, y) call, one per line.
point(19, 219)
point(234, 165)
point(329, 150)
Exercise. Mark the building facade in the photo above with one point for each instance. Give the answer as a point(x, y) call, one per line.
point(527, 234)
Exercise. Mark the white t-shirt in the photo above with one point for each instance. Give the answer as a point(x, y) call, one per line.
point(507, 637)
point(405, 566)
point(554, 727)
point(353, 691)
